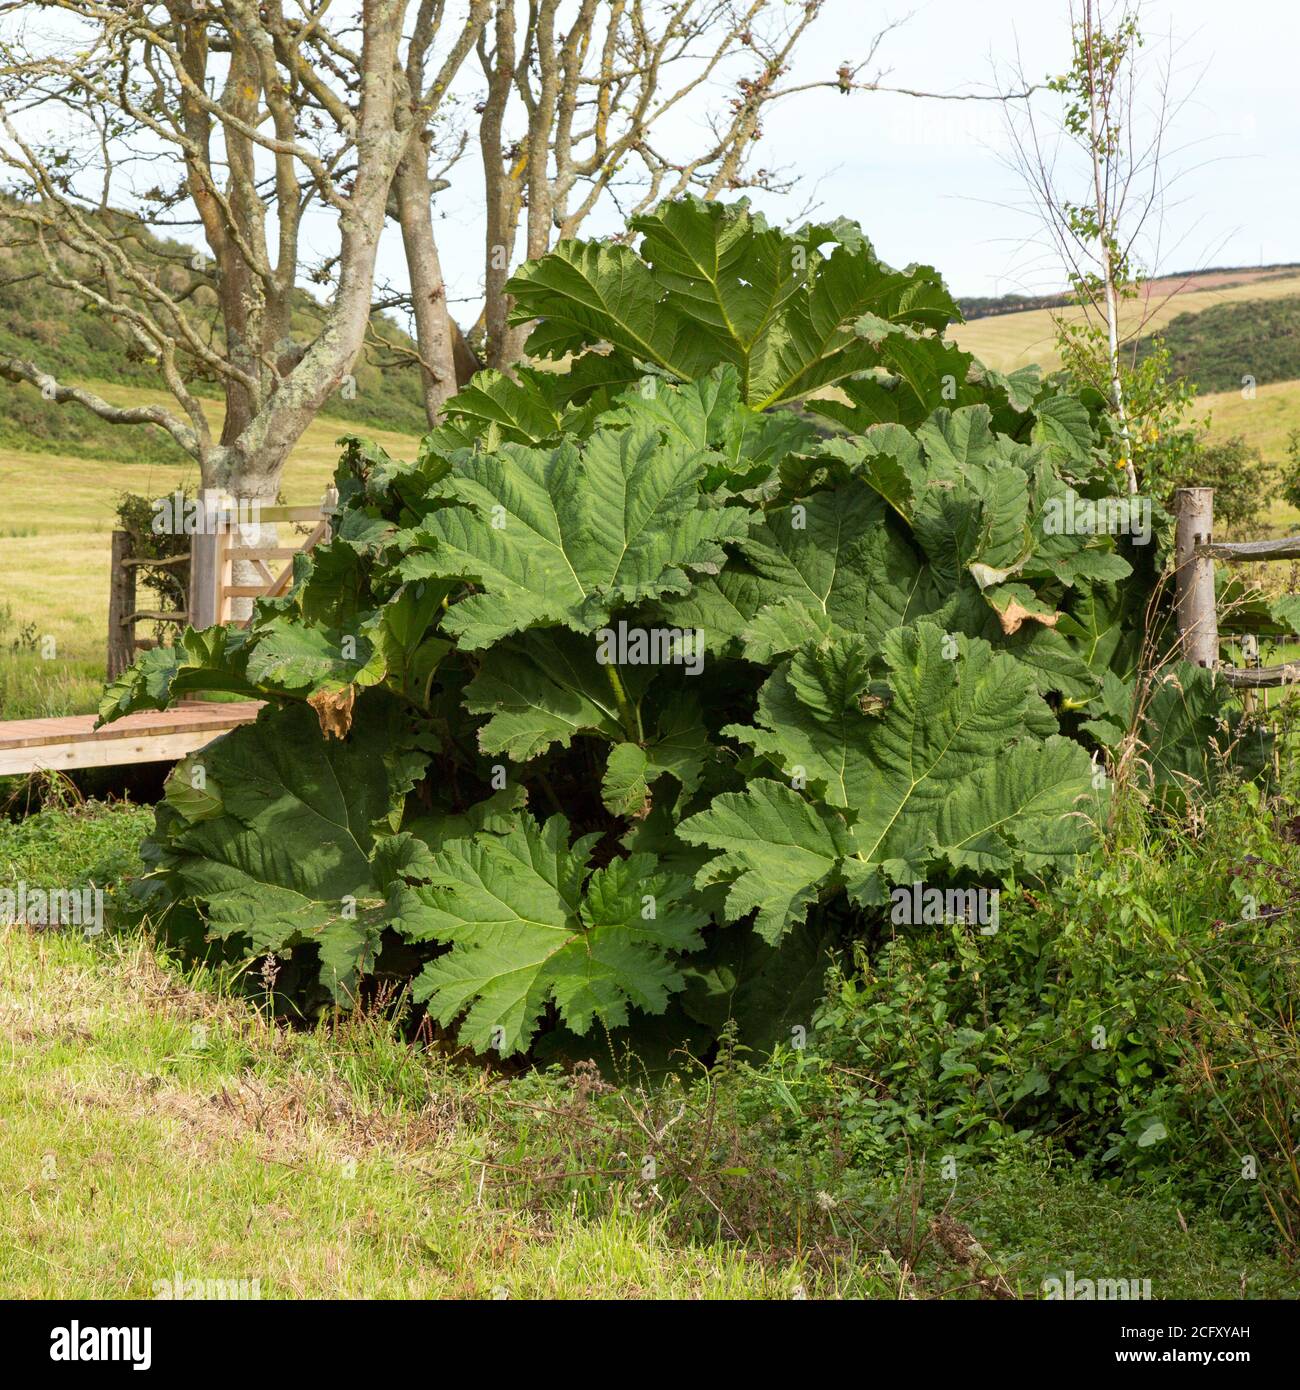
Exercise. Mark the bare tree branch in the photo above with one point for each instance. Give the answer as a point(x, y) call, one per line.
point(17, 370)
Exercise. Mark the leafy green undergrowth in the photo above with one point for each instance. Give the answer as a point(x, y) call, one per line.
point(1139, 1019)
point(73, 847)
point(1050, 1221)
point(637, 691)
point(163, 1128)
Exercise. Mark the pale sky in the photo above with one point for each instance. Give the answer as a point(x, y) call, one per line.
point(927, 181)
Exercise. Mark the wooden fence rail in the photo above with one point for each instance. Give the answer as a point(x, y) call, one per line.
point(1195, 551)
point(1286, 548)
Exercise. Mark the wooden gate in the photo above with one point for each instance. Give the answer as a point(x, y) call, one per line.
point(213, 589)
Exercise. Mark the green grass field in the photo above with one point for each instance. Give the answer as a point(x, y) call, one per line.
point(155, 1132)
point(1264, 420)
point(1007, 341)
point(157, 1127)
point(56, 521)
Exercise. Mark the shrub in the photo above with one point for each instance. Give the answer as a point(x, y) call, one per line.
point(1290, 488)
point(1244, 483)
point(638, 690)
point(1169, 449)
point(170, 583)
point(1140, 1017)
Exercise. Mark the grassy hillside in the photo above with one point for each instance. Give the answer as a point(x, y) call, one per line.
point(1225, 343)
point(1219, 333)
point(1265, 421)
point(78, 344)
point(1007, 341)
point(984, 306)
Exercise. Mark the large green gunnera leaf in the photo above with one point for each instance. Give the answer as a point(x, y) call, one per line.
point(285, 836)
point(560, 537)
point(215, 659)
point(529, 925)
point(943, 774)
point(713, 284)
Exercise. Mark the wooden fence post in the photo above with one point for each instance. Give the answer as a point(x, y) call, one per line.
point(1250, 660)
point(1198, 621)
point(225, 564)
point(121, 605)
point(205, 565)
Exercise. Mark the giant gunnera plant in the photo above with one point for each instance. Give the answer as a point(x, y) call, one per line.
point(669, 657)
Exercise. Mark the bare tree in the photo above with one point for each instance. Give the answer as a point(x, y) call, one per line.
point(265, 126)
point(1096, 177)
point(596, 86)
point(267, 118)
point(600, 101)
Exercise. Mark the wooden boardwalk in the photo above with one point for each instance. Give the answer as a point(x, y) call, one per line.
point(33, 745)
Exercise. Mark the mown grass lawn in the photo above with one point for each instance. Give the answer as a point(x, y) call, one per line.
point(156, 1127)
point(56, 524)
point(153, 1134)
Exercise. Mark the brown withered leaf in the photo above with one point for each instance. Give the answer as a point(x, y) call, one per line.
point(1014, 614)
point(334, 710)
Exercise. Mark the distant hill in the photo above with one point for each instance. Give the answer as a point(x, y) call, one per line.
point(1222, 345)
point(1219, 277)
point(76, 344)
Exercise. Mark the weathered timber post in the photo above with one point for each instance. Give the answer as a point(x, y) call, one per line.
point(121, 606)
point(1250, 659)
point(1198, 622)
point(206, 564)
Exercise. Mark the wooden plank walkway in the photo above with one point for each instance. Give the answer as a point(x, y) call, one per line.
point(31, 745)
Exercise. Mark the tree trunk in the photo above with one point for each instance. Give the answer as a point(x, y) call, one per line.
point(433, 329)
point(502, 187)
point(250, 465)
point(467, 360)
